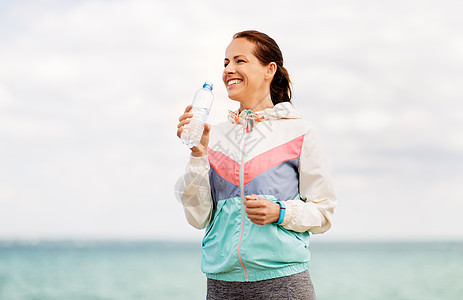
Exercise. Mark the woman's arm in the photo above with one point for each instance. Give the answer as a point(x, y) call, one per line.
point(193, 187)
point(195, 192)
point(314, 213)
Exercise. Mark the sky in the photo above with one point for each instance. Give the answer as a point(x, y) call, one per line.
point(91, 92)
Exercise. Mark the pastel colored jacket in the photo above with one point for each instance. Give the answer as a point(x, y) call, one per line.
point(280, 158)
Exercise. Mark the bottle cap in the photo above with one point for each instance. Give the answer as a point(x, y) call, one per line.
point(208, 85)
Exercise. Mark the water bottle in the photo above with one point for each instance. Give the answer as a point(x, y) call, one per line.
point(202, 102)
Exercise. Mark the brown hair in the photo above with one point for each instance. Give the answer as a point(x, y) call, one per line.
point(267, 51)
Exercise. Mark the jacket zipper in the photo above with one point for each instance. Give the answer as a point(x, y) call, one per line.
point(242, 204)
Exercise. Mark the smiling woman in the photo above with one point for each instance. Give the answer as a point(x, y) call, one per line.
point(258, 183)
point(254, 54)
point(246, 78)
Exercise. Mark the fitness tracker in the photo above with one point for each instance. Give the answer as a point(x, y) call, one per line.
point(282, 212)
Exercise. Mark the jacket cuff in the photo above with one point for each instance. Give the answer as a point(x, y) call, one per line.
point(288, 213)
point(198, 161)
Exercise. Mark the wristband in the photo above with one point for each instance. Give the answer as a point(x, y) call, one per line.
point(282, 212)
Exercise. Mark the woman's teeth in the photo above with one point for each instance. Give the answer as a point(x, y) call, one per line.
point(234, 81)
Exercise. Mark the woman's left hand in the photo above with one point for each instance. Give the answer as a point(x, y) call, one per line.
point(261, 211)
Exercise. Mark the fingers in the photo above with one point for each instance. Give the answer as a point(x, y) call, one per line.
point(255, 211)
point(253, 201)
point(253, 205)
point(183, 122)
point(188, 108)
point(205, 136)
point(184, 119)
point(179, 132)
point(186, 115)
point(260, 210)
point(258, 216)
point(180, 127)
point(207, 128)
point(256, 207)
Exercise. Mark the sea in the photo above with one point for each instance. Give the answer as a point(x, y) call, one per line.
point(97, 270)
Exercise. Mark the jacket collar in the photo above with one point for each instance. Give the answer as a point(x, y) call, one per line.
point(249, 118)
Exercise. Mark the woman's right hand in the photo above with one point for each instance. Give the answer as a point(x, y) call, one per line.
point(201, 148)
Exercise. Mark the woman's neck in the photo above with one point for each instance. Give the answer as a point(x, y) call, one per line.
point(257, 105)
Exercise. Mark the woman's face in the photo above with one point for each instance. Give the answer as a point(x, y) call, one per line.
point(245, 78)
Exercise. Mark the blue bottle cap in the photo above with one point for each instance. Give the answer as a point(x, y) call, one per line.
point(208, 85)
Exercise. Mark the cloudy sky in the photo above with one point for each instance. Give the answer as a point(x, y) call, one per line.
point(90, 93)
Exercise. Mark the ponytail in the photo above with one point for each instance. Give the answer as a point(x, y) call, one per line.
point(280, 88)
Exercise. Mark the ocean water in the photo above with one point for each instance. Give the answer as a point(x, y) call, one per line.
point(168, 270)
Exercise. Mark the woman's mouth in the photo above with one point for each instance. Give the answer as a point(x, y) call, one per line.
point(233, 82)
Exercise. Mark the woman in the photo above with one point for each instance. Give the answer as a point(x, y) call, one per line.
point(258, 183)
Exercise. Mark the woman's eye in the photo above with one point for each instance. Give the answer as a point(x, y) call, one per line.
point(239, 61)
point(225, 65)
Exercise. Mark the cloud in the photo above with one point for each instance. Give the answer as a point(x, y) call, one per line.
point(91, 91)
point(5, 96)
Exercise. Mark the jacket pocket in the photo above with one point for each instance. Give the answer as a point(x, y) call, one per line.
point(210, 227)
point(220, 241)
point(272, 246)
point(220, 236)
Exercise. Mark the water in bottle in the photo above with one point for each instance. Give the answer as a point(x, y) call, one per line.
point(202, 102)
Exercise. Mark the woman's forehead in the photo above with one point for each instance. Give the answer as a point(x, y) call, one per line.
point(239, 46)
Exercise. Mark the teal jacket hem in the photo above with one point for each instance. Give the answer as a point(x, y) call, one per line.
point(261, 275)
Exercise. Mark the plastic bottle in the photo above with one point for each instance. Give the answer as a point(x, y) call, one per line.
point(202, 102)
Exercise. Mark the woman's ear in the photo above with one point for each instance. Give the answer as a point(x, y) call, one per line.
point(271, 70)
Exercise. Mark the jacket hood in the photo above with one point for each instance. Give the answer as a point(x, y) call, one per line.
point(248, 118)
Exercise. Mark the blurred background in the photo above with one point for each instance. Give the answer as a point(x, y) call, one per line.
point(91, 92)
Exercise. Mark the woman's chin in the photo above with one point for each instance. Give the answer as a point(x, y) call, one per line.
point(233, 96)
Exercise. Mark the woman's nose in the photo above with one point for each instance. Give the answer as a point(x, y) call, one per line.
point(229, 69)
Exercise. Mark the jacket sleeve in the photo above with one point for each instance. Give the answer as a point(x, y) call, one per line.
point(314, 213)
point(195, 192)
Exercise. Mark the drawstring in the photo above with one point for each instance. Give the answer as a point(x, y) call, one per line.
point(250, 118)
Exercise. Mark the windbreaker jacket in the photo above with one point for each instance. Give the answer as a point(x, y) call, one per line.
point(281, 159)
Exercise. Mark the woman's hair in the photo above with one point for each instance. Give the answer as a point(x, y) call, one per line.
point(267, 51)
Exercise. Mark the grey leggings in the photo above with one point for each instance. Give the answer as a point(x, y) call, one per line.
point(295, 287)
